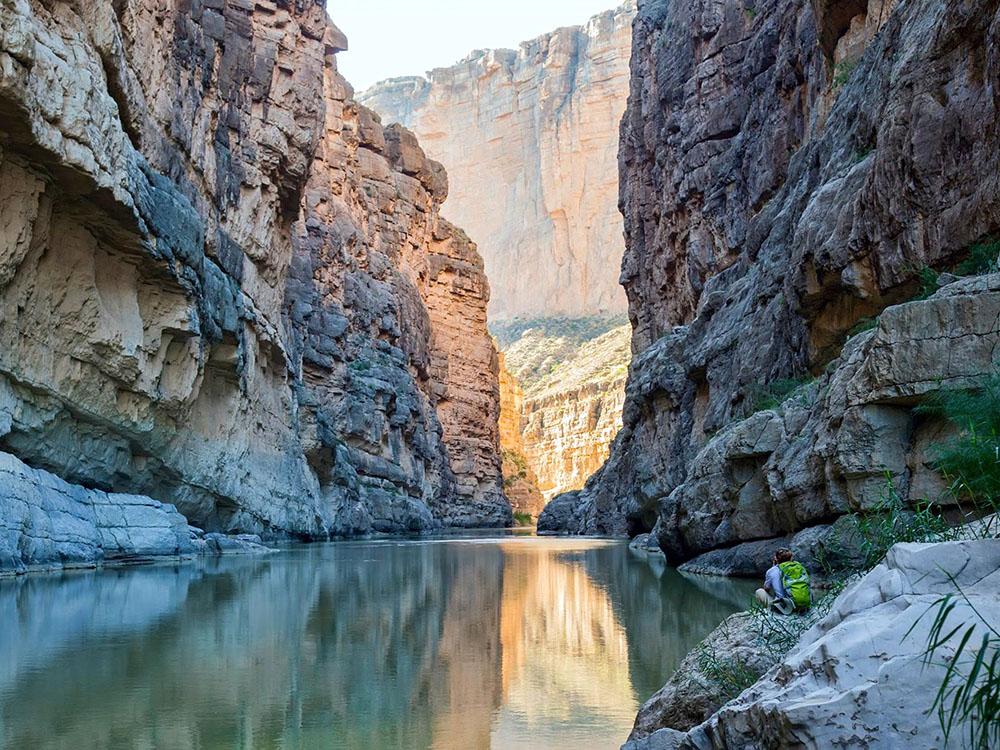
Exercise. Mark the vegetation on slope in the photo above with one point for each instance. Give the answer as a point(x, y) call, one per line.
point(559, 354)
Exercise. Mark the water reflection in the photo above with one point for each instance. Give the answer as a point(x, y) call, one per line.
point(499, 642)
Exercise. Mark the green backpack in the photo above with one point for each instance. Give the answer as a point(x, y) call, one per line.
point(795, 579)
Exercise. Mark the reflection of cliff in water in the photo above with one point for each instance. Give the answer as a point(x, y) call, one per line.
point(356, 645)
point(269, 652)
point(565, 653)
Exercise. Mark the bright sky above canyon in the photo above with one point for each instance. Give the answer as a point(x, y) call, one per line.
point(409, 37)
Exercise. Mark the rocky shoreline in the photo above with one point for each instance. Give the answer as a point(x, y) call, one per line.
point(857, 676)
point(47, 524)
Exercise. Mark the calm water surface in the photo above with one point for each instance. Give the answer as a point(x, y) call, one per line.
point(453, 644)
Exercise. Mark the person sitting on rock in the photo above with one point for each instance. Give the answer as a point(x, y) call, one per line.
point(786, 584)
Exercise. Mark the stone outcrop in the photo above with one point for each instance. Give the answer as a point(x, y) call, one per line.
point(532, 134)
point(781, 181)
point(694, 693)
point(48, 523)
point(224, 285)
point(859, 677)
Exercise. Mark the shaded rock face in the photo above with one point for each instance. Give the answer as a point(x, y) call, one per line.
point(224, 285)
point(858, 676)
point(533, 134)
point(783, 175)
point(48, 523)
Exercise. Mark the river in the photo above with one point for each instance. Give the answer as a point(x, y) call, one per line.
point(484, 641)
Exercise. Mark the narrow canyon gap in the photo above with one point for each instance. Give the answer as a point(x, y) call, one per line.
point(529, 137)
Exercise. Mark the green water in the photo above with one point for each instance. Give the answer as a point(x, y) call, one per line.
point(499, 641)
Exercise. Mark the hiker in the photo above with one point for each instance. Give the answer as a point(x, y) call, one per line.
point(786, 585)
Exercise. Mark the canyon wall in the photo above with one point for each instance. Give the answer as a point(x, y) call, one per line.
point(787, 171)
point(530, 138)
point(532, 134)
point(569, 375)
point(225, 285)
point(519, 480)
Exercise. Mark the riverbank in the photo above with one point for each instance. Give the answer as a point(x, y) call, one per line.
point(855, 672)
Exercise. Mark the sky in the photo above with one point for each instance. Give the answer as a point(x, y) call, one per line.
point(390, 38)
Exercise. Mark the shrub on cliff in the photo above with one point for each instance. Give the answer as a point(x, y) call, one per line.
point(970, 461)
point(982, 258)
point(771, 395)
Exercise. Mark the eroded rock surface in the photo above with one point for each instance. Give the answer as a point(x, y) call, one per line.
point(858, 677)
point(693, 694)
point(785, 175)
point(532, 134)
point(225, 285)
point(47, 523)
point(572, 377)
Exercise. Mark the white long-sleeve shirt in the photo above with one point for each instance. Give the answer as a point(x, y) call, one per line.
point(772, 581)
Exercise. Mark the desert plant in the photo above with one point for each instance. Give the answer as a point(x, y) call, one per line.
point(731, 674)
point(891, 521)
point(772, 395)
point(865, 324)
point(970, 461)
point(842, 72)
point(982, 258)
point(928, 278)
point(969, 693)
point(523, 519)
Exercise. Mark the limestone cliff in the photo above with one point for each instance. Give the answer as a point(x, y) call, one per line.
point(571, 374)
point(529, 138)
point(787, 169)
point(519, 479)
point(224, 285)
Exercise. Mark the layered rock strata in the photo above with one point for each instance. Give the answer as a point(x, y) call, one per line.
point(570, 374)
point(571, 415)
point(532, 133)
point(786, 170)
point(225, 285)
point(519, 480)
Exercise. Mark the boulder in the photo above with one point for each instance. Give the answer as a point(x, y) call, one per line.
point(694, 692)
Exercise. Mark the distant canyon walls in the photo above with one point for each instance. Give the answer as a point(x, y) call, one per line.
point(570, 376)
point(225, 285)
point(787, 171)
point(530, 140)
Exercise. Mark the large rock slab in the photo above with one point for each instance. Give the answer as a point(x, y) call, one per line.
point(46, 523)
point(858, 677)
